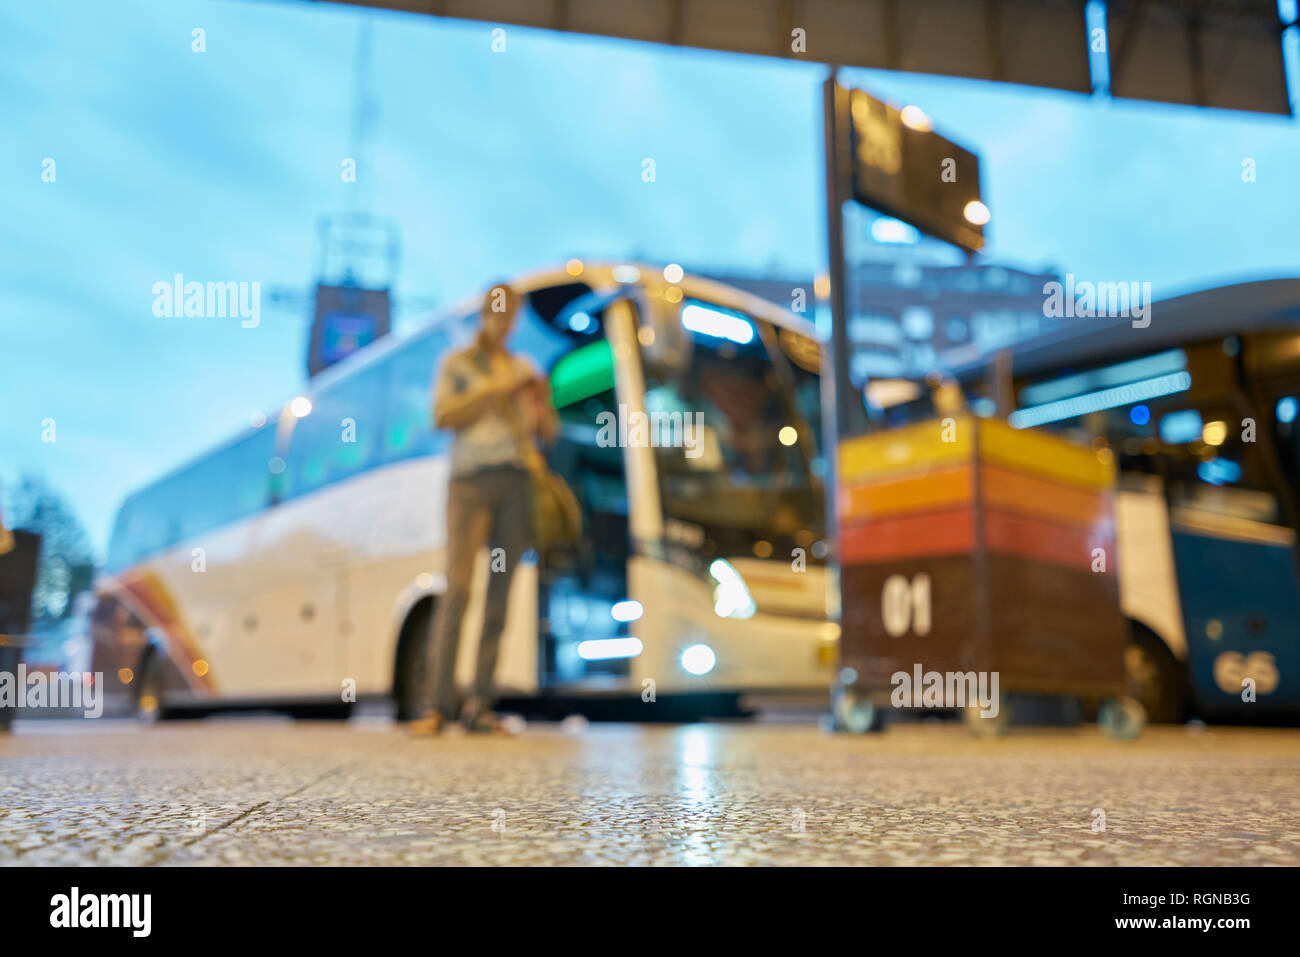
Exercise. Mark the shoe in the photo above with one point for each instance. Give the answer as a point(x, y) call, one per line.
point(485, 722)
point(426, 727)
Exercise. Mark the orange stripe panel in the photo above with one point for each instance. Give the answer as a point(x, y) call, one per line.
point(1044, 541)
point(1034, 496)
point(150, 592)
point(950, 532)
point(943, 488)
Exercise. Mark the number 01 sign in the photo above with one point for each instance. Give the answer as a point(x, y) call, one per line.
point(905, 605)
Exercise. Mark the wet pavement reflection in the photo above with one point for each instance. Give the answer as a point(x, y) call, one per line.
point(265, 791)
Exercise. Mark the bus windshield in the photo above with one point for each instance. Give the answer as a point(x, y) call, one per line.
point(746, 480)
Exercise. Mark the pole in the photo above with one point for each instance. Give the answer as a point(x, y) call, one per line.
point(837, 390)
point(845, 409)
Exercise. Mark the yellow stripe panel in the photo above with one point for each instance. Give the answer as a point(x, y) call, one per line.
point(942, 488)
point(1045, 455)
point(906, 449)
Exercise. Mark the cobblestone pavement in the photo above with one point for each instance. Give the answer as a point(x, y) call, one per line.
point(264, 791)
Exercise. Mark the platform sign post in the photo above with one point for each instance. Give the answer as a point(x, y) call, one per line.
point(962, 544)
point(891, 160)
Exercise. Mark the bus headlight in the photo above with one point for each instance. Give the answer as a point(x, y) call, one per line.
point(698, 660)
point(731, 597)
point(604, 649)
point(626, 611)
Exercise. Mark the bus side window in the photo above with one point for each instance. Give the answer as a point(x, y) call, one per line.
point(339, 437)
point(230, 484)
point(408, 412)
point(239, 482)
point(1280, 423)
point(1215, 468)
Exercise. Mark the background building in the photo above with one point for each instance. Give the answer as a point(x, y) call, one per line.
point(911, 312)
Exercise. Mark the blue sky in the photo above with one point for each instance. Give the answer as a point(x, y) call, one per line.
point(217, 165)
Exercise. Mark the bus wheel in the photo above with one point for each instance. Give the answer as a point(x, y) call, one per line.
point(854, 711)
point(1122, 718)
point(1154, 677)
point(148, 695)
point(412, 660)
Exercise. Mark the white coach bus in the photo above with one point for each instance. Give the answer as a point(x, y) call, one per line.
point(299, 563)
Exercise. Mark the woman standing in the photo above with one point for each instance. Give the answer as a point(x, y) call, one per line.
point(497, 404)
